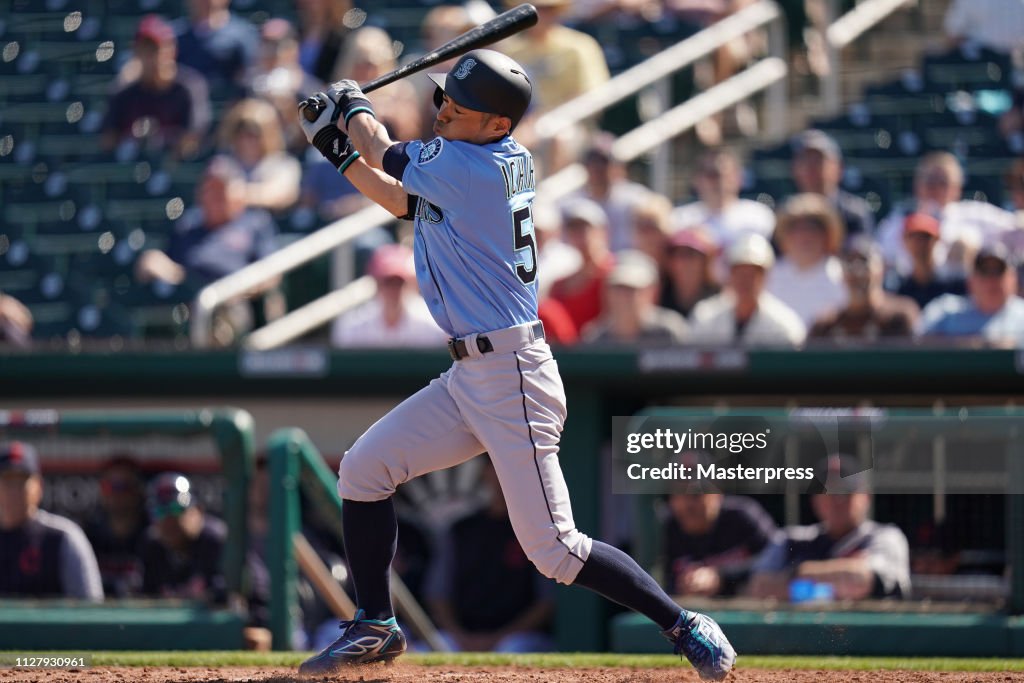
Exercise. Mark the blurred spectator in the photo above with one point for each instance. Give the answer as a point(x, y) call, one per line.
point(818, 168)
point(608, 185)
point(556, 260)
point(222, 236)
point(484, 593)
point(279, 79)
point(440, 25)
point(996, 24)
point(218, 45)
point(992, 310)
point(251, 134)
point(964, 224)
point(720, 209)
point(397, 315)
point(689, 270)
point(870, 311)
point(710, 541)
point(745, 313)
point(630, 315)
point(163, 104)
point(858, 557)
point(924, 283)
point(181, 552)
point(41, 554)
point(808, 278)
point(15, 322)
point(585, 227)
point(562, 63)
point(324, 27)
point(369, 52)
point(651, 229)
point(117, 528)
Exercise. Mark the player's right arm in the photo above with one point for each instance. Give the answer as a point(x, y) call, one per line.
point(338, 149)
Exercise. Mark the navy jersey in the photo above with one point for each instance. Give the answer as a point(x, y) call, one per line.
point(476, 256)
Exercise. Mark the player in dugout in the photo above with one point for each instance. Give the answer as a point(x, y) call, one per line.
point(470, 192)
point(41, 554)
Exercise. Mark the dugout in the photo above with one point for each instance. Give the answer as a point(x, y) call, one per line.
point(599, 384)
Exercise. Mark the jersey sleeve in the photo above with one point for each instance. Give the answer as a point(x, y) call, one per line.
point(79, 571)
point(438, 171)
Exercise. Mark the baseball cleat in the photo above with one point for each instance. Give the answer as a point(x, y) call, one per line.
point(701, 639)
point(362, 641)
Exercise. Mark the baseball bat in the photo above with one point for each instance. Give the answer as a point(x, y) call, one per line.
point(500, 27)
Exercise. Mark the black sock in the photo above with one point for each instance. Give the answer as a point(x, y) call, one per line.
point(618, 577)
point(371, 538)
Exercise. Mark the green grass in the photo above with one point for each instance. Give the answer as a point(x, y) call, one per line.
point(562, 660)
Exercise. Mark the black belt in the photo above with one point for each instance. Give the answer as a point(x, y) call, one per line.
point(458, 350)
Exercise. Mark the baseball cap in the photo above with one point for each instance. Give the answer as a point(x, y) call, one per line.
point(818, 141)
point(586, 211)
point(840, 473)
point(694, 238)
point(18, 456)
point(169, 494)
point(751, 249)
point(155, 30)
point(633, 269)
point(994, 251)
point(392, 260)
point(921, 222)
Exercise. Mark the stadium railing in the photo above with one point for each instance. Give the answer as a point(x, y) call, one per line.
point(769, 73)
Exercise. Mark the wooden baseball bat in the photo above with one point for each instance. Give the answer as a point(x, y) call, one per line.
point(500, 27)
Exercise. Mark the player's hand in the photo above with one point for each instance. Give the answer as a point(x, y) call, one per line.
point(328, 114)
point(323, 132)
point(349, 99)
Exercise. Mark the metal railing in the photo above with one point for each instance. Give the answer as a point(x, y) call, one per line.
point(650, 79)
point(842, 32)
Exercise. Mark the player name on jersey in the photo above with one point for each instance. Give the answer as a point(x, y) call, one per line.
point(518, 174)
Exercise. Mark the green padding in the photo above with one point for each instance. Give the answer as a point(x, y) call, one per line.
point(844, 633)
point(118, 628)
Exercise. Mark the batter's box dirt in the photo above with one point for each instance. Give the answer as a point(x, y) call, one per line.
point(408, 673)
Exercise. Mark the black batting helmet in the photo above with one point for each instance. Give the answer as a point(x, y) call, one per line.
point(487, 81)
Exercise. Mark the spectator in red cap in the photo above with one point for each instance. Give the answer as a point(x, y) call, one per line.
point(396, 315)
point(41, 554)
point(924, 283)
point(689, 270)
point(166, 105)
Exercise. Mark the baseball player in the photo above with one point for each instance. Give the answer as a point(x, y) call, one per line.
point(469, 192)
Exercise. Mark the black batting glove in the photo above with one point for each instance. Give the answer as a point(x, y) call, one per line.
point(323, 132)
point(349, 99)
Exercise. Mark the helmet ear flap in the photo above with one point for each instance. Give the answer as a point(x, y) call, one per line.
point(438, 97)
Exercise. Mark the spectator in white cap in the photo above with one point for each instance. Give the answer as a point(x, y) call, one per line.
point(818, 168)
point(630, 314)
point(585, 227)
point(745, 313)
point(809, 277)
point(718, 180)
point(396, 316)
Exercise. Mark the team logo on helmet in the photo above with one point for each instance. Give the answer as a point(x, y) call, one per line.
point(465, 68)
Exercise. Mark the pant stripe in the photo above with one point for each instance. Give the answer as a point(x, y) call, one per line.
point(540, 477)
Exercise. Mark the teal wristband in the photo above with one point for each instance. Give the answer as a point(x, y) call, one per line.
point(348, 162)
point(353, 112)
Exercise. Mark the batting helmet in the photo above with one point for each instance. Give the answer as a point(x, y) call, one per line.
point(487, 81)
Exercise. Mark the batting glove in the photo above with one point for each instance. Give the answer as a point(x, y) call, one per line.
point(349, 99)
point(323, 132)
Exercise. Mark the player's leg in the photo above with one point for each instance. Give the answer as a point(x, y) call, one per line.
point(422, 434)
point(521, 433)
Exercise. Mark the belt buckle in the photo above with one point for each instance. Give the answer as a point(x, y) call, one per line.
point(452, 351)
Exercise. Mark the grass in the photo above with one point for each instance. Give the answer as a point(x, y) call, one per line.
point(562, 660)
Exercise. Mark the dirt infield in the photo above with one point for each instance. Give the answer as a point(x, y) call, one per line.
point(407, 673)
